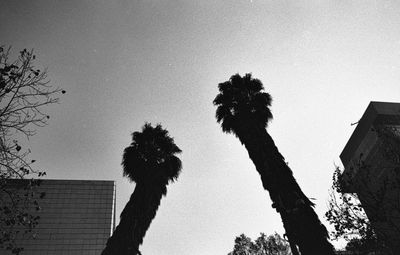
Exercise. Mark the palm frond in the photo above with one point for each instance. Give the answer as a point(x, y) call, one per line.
point(173, 167)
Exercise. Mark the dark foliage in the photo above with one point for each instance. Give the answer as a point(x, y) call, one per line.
point(243, 109)
point(242, 99)
point(149, 161)
point(151, 156)
point(346, 213)
point(263, 245)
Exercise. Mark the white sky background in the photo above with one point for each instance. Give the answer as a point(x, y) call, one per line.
point(124, 63)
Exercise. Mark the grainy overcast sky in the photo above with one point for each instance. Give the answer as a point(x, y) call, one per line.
point(126, 62)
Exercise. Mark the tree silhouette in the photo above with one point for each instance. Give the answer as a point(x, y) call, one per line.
point(243, 109)
point(25, 93)
point(263, 245)
point(151, 163)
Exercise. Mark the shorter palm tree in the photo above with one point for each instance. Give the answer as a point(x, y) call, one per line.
point(151, 163)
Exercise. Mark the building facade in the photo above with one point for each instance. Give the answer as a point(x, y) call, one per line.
point(76, 218)
point(371, 159)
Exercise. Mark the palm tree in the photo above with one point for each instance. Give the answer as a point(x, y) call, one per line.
point(243, 109)
point(151, 163)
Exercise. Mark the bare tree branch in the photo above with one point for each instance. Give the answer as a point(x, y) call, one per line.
point(25, 92)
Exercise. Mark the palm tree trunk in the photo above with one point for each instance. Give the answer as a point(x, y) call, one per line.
point(301, 223)
point(134, 221)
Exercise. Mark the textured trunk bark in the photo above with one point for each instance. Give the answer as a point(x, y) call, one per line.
point(135, 220)
point(301, 223)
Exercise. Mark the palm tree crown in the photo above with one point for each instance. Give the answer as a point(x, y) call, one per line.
point(241, 100)
point(151, 156)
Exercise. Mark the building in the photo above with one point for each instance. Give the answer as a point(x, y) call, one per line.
point(371, 160)
point(76, 217)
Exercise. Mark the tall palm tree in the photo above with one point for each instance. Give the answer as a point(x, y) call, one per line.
point(151, 163)
point(243, 109)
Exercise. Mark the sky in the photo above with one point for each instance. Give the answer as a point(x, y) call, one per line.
point(123, 63)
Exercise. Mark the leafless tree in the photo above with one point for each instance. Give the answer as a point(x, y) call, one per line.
point(25, 91)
